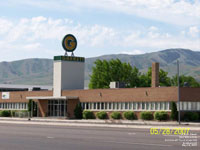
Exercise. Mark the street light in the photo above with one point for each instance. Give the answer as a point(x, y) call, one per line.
point(178, 81)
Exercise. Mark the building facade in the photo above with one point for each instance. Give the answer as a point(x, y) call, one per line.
point(62, 100)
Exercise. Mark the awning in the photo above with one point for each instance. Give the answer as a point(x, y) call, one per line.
point(52, 98)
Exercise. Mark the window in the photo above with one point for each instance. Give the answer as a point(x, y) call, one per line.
point(98, 105)
point(156, 105)
point(117, 106)
point(105, 105)
point(110, 106)
point(147, 105)
point(126, 105)
point(130, 105)
point(138, 106)
point(198, 106)
point(102, 105)
point(189, 105)
point(162, 105)
point(87, 105)
point(194, 106)
point(122, 106)
point(134, 105)
point(94, 105)
point(143, 105)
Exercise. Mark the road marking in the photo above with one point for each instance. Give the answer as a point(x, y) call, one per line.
point(50, 137)
point(131, 133)
point(146, 144)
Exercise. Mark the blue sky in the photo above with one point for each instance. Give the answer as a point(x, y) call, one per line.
point(35, 28)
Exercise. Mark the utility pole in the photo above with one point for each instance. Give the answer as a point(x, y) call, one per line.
point(179, 106)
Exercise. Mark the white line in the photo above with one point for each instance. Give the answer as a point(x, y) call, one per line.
point(91, 125)
point(150, 144)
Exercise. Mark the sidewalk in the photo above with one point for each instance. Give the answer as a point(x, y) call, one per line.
point(102, 123)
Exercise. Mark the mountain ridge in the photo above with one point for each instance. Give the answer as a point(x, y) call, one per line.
point(39, 71)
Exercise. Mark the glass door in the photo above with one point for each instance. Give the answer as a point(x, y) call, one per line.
point(57, 108)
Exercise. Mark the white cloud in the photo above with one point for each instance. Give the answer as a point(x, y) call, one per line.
point(134, 52)
point(181, 12)
point(194, 31)
point(39, 36)
point(5, 25)
point(170, 11)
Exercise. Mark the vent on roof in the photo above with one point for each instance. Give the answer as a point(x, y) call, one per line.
point(117, 84)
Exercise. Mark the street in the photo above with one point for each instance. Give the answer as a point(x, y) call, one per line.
point(40, 137)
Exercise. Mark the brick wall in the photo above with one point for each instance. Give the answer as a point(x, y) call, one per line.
point(155, 75)
point(125, 95)
point(71, 104)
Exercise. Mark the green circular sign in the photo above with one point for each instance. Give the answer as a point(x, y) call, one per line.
point(69, 43)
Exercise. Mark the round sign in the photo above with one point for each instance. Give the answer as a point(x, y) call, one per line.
point(69, 43)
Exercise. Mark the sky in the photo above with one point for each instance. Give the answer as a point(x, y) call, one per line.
point(35, 28)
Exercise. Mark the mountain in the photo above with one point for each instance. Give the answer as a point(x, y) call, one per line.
point(40, 71)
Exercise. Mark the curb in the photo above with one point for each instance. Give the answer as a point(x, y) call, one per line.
point(93, 123)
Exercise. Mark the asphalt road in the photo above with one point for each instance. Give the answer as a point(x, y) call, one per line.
point(40, 137)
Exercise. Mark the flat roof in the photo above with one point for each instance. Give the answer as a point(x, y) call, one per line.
point(52, 98)
point(18, 87)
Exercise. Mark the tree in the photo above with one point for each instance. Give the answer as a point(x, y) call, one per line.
point(105, 72)
point(145, 79)
point(100, 77)
point(78, 111)
point(174, 112)
point(189, 79)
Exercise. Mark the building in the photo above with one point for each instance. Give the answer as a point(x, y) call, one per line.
point(68, 91)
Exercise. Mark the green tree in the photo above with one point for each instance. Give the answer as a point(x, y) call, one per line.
point(145, 79)
point(78, 111)
point(100, 77)
point(174, 112)
point(189, 79)
point(105, 72)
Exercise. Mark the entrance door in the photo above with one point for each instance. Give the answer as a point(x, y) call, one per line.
point(57, 108)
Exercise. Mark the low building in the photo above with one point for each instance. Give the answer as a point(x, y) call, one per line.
point(68, 91)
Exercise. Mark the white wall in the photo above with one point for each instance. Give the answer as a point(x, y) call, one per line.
point(68, 75)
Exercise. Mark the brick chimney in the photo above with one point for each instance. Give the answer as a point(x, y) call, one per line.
point(155, 74)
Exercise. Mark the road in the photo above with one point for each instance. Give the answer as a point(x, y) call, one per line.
point(40, 137)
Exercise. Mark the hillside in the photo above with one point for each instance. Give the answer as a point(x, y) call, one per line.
point(40, 71)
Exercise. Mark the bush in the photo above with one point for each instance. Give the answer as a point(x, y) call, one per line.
point(146, 115)
point(129, 115)
point(5, 113)
point(191, 116)
point(78, 111)
point(161, 115)
point(174, 112)
point(116, 115)
point(101, 115)
point(88, 115)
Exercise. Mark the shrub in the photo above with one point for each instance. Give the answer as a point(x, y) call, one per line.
point(116, 115)
point(78, 111)
point(191, 116)
point(161, 115)
point(129, 115)
point(146, 115)
point(5, 113)
point(174, 112)
point(101, 115)
point(88, 115)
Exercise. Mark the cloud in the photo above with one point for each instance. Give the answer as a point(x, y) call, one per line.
point(179, 12)
point(134, 52)
point(194, 31)
point(41, 37)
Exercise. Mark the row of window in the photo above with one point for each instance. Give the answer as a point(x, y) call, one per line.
point(195, 106)
point(126, 105)
point(138, 106)
point(14, 106)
